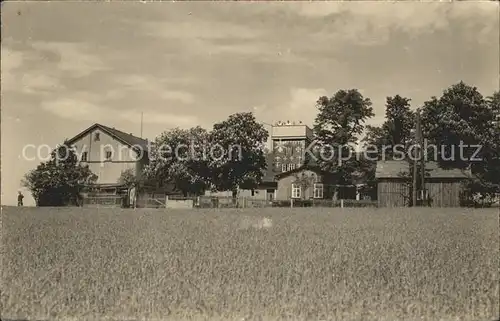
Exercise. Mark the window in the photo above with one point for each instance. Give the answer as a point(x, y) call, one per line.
point(97, 137)
point(296, 191)
point(253, 192)
point(422, 194)
point(283, 167)
point(84, 156)
point(109, 154)
point(318, 190)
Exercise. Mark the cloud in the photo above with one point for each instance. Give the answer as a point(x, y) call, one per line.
point(151, 86)
point(300, 106)
point(81, 110)
point(132, 81)
point(16, 77)
point(72, 58)
point(314, 9)
point(209, 38)
point(74, 109)
point(153, 117)
point(11, 60)
point(371, 23)
point(198, 29)
point(304, 98)
point(36, 83)
point(181, 96)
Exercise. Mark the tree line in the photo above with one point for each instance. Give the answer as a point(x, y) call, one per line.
point(461, 115)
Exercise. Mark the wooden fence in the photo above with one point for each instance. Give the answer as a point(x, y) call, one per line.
point(103, 201)
point(246, 202)
point(217, 202)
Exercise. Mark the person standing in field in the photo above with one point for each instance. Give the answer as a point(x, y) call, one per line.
point(20, 198)
point(132, 196)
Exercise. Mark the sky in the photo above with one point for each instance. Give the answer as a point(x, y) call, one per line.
point(68, 65)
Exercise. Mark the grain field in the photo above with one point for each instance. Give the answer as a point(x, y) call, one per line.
point(265, 264)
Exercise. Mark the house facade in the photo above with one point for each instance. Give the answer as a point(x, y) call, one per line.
point(108, 152)
point(303, 183)
point(442, 188)
point(291, 174)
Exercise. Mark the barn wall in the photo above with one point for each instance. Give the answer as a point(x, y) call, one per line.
point(444, 193)
point(392, 193)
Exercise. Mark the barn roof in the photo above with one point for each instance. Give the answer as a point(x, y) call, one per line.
point(127, 139)
point(393, 169)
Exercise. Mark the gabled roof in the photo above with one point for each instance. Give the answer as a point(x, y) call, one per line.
point(127, 139)
point(393, 169)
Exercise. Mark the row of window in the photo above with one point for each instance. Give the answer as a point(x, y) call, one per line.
point(288, 167)
point(317, 190)
point(292, 143)
point(109, 155)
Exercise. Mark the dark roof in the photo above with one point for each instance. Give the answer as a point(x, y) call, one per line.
point(299, 169)
point(268, 175)
point(393, 169)
point(125, 138)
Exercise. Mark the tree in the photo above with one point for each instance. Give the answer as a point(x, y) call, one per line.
point(396, 129)
point(179, 158)
point(400, 120)
point(237, 157)
point(127, 177)
point(461, 123)
point(487, 178)
point(60, 180)
point(339, 122)
point(380, 142)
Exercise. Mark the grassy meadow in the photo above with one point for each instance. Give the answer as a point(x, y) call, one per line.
point(262, 264)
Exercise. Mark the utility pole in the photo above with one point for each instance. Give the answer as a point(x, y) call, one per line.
point(415, 161)
point(422, 159)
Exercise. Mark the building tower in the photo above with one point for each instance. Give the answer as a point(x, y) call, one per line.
point(289, 141)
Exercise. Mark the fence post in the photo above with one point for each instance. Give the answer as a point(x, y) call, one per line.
point(166, 200)
point(342, 203)
point(291, 202)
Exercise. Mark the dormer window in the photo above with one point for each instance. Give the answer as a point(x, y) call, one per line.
point(97, 137)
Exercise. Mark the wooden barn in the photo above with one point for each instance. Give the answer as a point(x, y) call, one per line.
point(442, 187)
